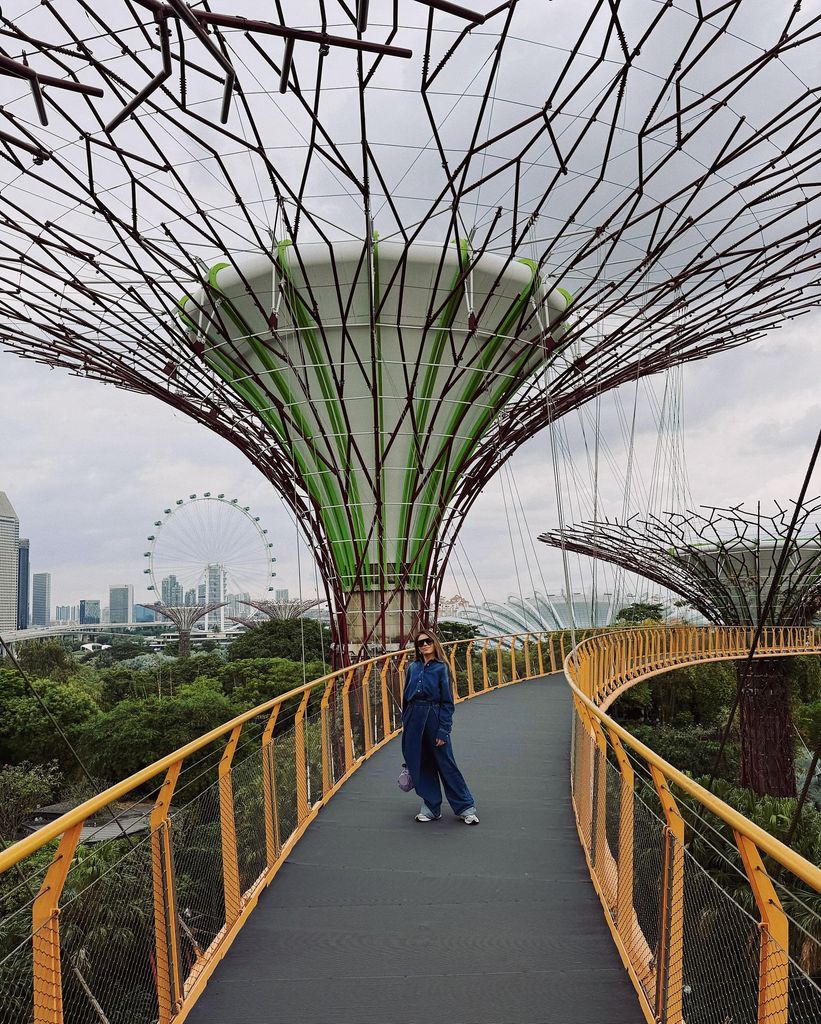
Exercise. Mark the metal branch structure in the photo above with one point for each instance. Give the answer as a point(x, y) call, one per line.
point(292, 609)
point(184, 618)
point(723, 562)
point(379, 255)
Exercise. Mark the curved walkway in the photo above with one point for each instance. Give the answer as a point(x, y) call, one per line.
point(375, 918)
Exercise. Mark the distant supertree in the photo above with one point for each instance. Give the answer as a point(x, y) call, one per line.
point(184, 618)
point(379, 259)
point(723, 562)
point(293, 608)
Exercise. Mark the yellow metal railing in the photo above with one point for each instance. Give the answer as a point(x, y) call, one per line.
point(131, 929)
point(694, 950)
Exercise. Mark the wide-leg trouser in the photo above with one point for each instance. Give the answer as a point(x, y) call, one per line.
point(428, 763)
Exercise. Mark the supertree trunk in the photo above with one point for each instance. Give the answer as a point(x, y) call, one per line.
point(767, 765)
point(184, 644)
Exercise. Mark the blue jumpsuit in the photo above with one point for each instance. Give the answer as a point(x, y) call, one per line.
point(427, 714)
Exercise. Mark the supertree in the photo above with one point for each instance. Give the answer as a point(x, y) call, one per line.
point(288, 609)
point(730, 564)
point(184, 617)
point(377, 257)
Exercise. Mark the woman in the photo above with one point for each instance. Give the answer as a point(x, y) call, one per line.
point(427, 716)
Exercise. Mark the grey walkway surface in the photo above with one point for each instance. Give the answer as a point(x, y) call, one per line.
point(375, 918)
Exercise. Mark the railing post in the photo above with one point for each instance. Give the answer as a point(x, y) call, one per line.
point(387, 727)
point(366, 708)
point(228, 831)
point(269, 790)
point(526, 643)
point(773, 962)
point(551, 650)
point(514, 675)
point(500, 676)
point(539, 653)
point(453, 677)
point(670, 962)
point(598, 835)
point(484, 666)
point(625, 913)
point(347, 738)
point(166, 944)
point(301, 760)
point(469, 667)
point(45, 939)
point(584, 799)
point(327, 786)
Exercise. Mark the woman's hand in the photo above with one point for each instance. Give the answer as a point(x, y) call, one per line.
point(440, 742)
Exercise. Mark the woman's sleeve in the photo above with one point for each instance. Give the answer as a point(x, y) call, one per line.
point(446, 701)
point(407, 684)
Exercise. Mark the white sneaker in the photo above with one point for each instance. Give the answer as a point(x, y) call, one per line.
point(421, 816)
point(471, 818)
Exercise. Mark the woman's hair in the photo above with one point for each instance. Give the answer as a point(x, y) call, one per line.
point(438, 650)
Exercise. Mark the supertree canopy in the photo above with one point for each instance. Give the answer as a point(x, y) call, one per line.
point(722, 561)
point(378, 246)
point(738, 567)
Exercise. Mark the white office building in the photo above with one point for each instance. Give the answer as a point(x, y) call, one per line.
point(121, 603)
point(9, 555)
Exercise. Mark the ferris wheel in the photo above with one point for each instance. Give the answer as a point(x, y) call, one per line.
point(209, 549)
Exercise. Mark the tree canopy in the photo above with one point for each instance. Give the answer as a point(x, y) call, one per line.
point(295, 639)
point(638, 612)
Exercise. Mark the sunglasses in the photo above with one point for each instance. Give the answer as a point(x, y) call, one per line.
point(424, 641)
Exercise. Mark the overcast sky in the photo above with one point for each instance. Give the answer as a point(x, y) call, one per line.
point(88, 469)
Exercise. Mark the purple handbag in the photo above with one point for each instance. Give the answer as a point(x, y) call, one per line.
point(405, 782)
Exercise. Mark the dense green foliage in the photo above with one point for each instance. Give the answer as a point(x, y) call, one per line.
point(681, 715)
point(24, 787)
point(295, 639)
point(121, 714)
point(447, 631)
point(639, 612)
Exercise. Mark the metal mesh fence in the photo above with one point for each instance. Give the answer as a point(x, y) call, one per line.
point(285, 770)
point(648, 864)
point(197, 845)
point(249, 818)
point(804, 991)
point(613, 805)
point(107, 938)
point(607, 833)
point(719, 965)
point(16, 982)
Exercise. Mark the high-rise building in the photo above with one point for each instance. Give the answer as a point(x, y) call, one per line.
point(121, 603)
point(215, 592)
point(89, 613)
point(9, 555)
point(190, 597)
point(41, 599)
point(281, 595)
point(171, 591)
point(143, 614)
point(63, 613)
point(22, 583)
point(235, 604)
